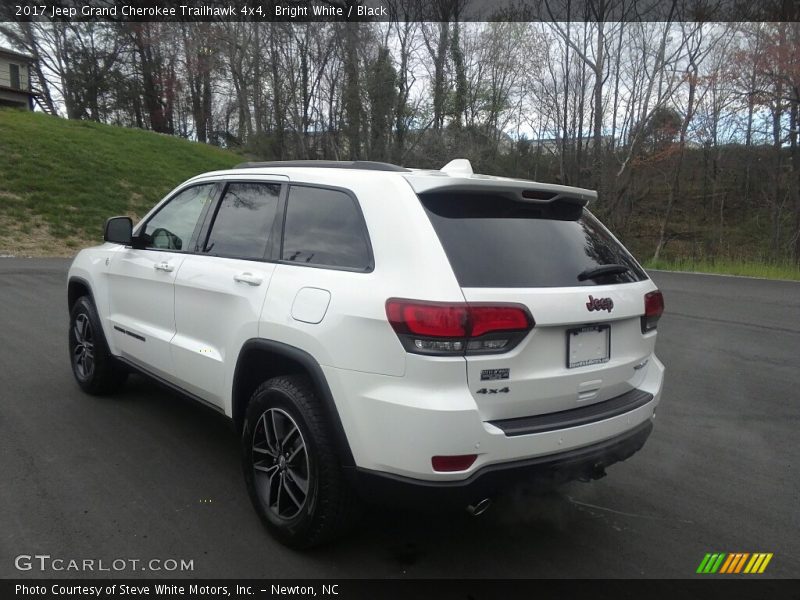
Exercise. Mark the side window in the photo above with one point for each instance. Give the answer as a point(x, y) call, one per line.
point(324, 227)
point(244, 220)
point(171, 228)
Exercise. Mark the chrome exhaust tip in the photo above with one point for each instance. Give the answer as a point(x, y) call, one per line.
point(479, 507)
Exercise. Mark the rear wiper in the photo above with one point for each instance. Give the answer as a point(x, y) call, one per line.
point(595, 272)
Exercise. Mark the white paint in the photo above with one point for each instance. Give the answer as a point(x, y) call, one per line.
point(397, 409)
point(310, 305)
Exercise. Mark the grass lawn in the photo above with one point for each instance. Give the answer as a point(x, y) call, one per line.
point(60, 179)
point(730, 267)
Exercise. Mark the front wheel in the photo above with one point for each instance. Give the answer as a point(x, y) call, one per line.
point(94, 367)
point(291, 467)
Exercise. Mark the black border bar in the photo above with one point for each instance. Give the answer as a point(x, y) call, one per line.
point(400, 10)
point(732, 588)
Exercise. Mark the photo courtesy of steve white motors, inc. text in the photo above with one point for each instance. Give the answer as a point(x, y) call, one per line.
point(169, 589)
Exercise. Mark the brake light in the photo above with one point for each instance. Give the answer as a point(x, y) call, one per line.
point(486, 319)
point(457, 328)
point(428, 319)
point(653, 309)
point(453, 463)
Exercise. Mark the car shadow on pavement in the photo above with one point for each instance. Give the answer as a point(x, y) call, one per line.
point(520, 528)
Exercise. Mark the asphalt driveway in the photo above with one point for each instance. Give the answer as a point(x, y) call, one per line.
point(145, 474)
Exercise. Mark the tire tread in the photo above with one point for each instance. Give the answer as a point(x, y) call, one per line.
point(338, 505)
point(109, 374)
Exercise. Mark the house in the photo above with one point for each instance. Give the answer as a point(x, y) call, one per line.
point(15, 80)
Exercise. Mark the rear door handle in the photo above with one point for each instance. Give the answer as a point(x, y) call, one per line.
point(164, 266)
point(248, 278)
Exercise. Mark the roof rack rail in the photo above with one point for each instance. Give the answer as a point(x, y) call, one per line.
point(366, 165)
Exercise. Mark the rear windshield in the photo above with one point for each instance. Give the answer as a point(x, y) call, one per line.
point(493, 241)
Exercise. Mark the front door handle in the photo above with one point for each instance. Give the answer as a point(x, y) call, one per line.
point(248, 278)
point(164, 266)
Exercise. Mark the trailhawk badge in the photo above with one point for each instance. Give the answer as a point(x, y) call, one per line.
point(599, 304)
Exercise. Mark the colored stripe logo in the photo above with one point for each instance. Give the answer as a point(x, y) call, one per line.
point(734, 563)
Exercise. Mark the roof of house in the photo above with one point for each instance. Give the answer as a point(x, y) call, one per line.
point(15, 54)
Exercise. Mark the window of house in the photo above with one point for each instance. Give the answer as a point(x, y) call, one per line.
point(14, 76)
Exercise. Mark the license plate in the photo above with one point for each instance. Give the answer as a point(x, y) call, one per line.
point(589, 345)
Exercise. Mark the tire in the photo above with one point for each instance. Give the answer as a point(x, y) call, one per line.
point(94, 367)
point(291, 466)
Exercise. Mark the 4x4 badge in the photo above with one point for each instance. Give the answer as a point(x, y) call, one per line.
point(599, 304)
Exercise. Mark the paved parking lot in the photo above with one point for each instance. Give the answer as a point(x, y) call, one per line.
point(147, 475)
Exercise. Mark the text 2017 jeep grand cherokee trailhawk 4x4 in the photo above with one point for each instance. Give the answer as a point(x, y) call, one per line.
point(379, 332)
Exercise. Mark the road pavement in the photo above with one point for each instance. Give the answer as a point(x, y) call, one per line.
point(145, 474)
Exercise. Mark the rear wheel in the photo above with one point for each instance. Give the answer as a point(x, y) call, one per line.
point(95, 369)
point(291, 466)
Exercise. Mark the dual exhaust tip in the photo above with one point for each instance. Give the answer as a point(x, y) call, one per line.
point(479, 507)
point(597, 471)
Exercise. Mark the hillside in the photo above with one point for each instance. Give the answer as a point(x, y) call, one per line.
point(60, 179)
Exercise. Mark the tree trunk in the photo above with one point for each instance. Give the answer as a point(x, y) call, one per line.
point(258, 109)
point(795, 180)
point(439, 88)
point(277, 94)
point(401, 106)
point(778, 154)
point(597, 166)
point(675, 189)
point(352, 97)
point(460, 96)
point(152, 65)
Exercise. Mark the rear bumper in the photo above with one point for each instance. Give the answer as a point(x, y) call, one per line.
point(394, 425)
point(588, 461)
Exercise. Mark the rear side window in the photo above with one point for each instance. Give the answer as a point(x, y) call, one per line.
point(244, 220)
point(493, 241)
point(324, 228)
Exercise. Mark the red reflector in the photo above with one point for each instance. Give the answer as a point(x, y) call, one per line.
point(453, 463)
point(497, 318)
point(653, 304)
point(434, 320)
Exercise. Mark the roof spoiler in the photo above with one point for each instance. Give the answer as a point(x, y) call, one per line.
point(457, 176)
point(513, 189)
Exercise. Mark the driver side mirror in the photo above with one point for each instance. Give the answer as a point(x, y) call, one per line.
point(118, 230)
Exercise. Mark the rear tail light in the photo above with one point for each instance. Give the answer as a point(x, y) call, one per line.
point(458, 328)
point(653, 309)
point(453, 463)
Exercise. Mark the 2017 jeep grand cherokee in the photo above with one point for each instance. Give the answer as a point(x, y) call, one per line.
point(375, 331)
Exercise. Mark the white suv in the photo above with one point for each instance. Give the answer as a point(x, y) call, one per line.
point(378, 332)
